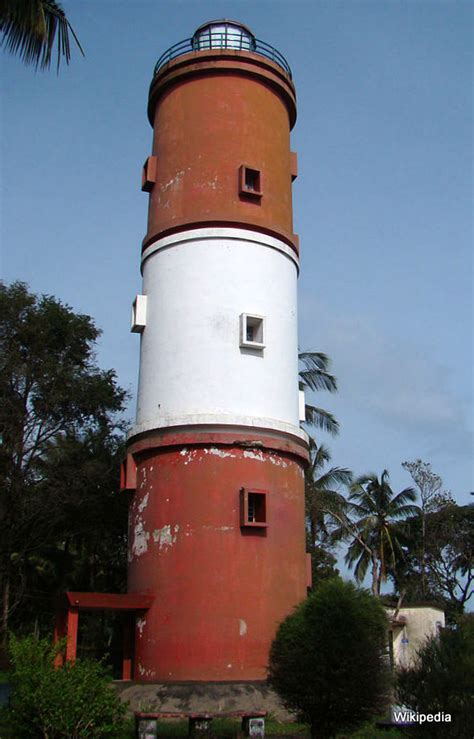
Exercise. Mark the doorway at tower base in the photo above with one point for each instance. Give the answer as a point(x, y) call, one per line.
point(205, 697)
point(217, 538)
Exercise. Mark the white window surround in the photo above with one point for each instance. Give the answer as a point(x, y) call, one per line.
point(252, 331)
point(138, 314)
point(302, 405)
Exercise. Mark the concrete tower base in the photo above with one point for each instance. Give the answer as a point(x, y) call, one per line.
point(196, 697)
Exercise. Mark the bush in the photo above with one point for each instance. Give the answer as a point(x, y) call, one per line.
point(328, 661)
point(442, 680)
point(75, 700)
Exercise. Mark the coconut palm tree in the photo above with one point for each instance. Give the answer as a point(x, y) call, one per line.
point(322, 490)
point(315, 375)
point(31, 28)
point(376, 526)
point(322, 499)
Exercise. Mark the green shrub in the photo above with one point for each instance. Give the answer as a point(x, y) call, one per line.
point(443, 681)
point(73, 701)
point(328, 661)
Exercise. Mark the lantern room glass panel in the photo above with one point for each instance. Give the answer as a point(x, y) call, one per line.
point(223, 35)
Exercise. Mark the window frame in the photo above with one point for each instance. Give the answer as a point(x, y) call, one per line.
point(256, 320)
point(245, 523)
point(252, 193)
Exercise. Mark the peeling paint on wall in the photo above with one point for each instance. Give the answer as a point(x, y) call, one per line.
point(278, 461)
point(254, 455)
point(144, 503)
point(188, 454)
point(175, 181)
point(140, 539)
point(166, 536)
point(140, 626)
point(145, 673)
point(218, 452)
point(242, 627)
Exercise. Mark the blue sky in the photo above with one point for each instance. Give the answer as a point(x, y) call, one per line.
point(382, 202)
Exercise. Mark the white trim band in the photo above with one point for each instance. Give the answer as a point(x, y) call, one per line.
point(239, 234)
point(205, 419)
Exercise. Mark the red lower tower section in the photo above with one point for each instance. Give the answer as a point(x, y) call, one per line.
point(222, 582)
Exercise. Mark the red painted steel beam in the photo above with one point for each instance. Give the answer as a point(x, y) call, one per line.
point(109, 601)
point(72, 627)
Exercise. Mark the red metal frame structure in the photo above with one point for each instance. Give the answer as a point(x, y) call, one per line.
point(67, 621)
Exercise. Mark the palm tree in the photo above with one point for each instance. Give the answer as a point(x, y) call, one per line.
point(322, 494)
point(315, 375)
point(377, 533)
point(322, 498)
point(30, 29)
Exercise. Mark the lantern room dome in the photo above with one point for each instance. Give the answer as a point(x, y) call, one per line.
point(223, 34)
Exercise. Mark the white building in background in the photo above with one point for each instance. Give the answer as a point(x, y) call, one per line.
point(409, 630)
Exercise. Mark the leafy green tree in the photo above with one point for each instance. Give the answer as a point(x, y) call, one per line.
point(442, 549)
point(328, 661)
point(86, 550)
point(441, 681)
point(51, 391)
point(322, 499)
point(315, 375)
point(82, 475)
point(375, 525)
point(433, 497)
point(30, 28)
point(75, 701)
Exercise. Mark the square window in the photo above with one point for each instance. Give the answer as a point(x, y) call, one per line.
point(250, 182)
point(251, 331)
point(253, 508)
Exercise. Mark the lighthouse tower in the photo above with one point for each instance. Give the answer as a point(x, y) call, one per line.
point(216, 458)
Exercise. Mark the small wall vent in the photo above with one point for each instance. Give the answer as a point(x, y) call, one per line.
point(139, 314)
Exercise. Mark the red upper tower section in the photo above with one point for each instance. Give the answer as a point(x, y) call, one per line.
point(221, 159)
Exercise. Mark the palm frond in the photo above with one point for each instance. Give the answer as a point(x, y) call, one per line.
point(319, 457)
point(404, 511)
point(334, 477)
point(315, 374)
point(30, 29)
point(357, 555)
point(321, 419)
point(362, 501)
point(405, 496)
point(362, 480)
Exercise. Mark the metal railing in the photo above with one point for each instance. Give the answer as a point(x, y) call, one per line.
point(226, 40)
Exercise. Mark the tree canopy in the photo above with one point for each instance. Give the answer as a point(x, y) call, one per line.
point(377, 512)
point(57, 410)
point(328, 661)
point(442, 681)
